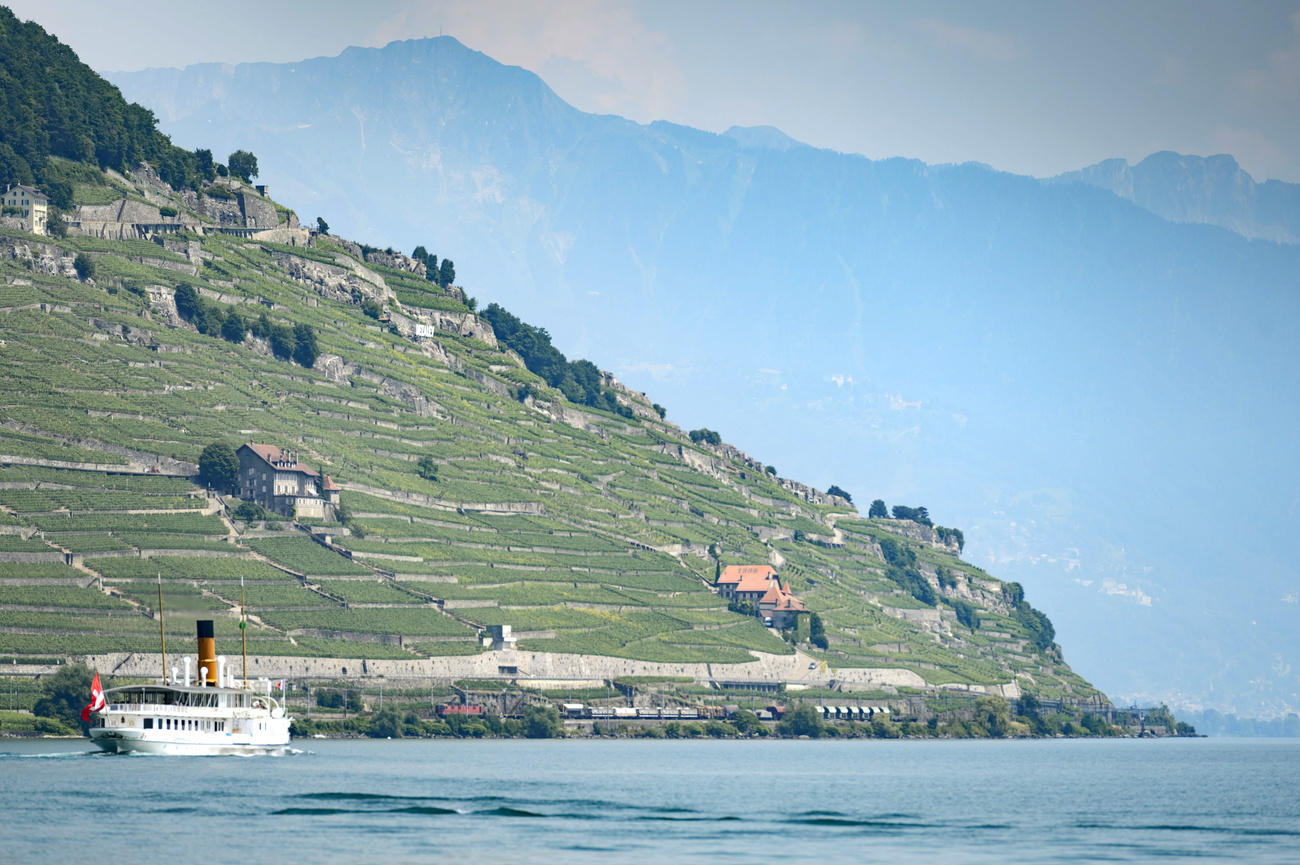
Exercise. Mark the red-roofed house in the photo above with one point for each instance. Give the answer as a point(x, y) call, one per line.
point(276, 480)
point(781, 606)
point(745, 582)
point(760, 586)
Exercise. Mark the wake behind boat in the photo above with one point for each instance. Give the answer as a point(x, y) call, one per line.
point(216, 714)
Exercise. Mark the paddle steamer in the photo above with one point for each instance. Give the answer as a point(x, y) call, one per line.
point(214, 714)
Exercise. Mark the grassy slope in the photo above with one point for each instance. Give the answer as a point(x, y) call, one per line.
point(577, 574)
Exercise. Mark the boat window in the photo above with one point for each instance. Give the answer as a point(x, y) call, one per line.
point(148, 723)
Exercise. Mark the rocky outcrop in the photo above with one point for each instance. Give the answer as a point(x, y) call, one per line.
point(397, 261)
point(918, 532)
point(460, 323)
point(38, 257)
point(332, 281)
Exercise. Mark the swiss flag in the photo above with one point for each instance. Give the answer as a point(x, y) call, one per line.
point(96, 699)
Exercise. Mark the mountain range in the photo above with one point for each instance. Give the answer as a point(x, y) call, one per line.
point(1091, 375)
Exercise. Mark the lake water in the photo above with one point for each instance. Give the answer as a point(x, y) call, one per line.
point(584, 801)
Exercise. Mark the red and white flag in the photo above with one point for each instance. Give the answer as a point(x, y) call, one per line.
point(96, 699)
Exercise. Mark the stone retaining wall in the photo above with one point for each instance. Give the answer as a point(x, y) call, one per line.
point(530, 666)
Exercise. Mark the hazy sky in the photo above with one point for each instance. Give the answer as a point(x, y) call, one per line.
point(1033, 87)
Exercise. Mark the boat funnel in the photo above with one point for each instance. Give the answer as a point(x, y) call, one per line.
point(207, 653)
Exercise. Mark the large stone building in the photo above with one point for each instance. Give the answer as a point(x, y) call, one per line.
point(759, 585)
point(29, 204)
point(276, 480)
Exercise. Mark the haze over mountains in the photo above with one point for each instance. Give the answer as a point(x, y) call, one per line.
point(1100, 395)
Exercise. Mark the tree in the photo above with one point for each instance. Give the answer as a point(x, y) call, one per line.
point(243, 165)
point(706, 436)
point(878, 510)
point(60, 194)
point(916, 515)
point(386, 724)
point(249, 512)
point(233, 329)
point(208, 319)
point(426, 468)
point(84, 267)
point(305, 350)
point(65, 694)
point(994, 715)
point(56, 225)
point(322, 226)
point(541, 722)
point(802, 721)
point(967, 614)
point(282, 341)
point(841, 492)
point(446, 273)
point(204, 165)
point(219, 466)
point(187, 301)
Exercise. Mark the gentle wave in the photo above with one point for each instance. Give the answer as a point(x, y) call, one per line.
point(1263, 832)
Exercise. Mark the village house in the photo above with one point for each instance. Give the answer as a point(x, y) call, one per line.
point(30, 204)
point(276, 480)
point(759, 585)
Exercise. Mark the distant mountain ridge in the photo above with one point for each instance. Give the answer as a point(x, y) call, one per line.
point(1210, 190)
point(1028, 353)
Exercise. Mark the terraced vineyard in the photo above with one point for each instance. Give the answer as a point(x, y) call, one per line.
point(474, 494)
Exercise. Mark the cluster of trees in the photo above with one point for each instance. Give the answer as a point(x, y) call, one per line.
point(578, 380)
point(55, 105)
point(920, 515)
point(948, 536)
point(916, 515)
point(296, 343)
point(836, 490)
point(1041, 631)
point(443, 274)
point(704, 435)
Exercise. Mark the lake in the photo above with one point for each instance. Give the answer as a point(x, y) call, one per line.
point(604, 801)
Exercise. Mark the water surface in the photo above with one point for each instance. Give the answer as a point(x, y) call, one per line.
point(517, 801)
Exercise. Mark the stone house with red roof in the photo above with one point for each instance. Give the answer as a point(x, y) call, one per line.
point(759, 585)
point(274, 479)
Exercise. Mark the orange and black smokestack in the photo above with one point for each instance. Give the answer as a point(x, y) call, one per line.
point(207, 653)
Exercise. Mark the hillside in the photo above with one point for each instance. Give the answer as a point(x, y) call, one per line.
point(461, 481)
point(1075, 380)
point(588, 531)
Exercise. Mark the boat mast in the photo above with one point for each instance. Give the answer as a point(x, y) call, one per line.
point(162, 634)
point(243, 629)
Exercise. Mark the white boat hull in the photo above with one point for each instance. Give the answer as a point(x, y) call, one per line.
point(127, 741)
point(189, 720)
